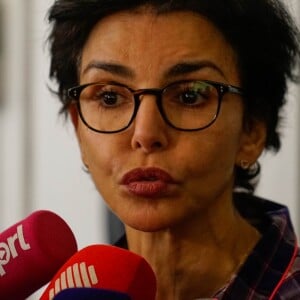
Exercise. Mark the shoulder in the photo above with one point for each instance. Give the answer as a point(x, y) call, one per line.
point(290, 288)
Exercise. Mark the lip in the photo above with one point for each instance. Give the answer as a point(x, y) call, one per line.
point(148, 182)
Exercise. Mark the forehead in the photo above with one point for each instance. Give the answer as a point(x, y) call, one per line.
point(144, 39)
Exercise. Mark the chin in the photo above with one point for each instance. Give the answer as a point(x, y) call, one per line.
point(149, 223)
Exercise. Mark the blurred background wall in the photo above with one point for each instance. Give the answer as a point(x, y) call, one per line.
point(280, 179)
point(39, 158)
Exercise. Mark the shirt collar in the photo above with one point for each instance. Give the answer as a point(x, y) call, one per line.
point(267, 264)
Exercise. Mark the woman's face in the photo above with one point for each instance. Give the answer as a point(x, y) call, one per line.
point(151, 175)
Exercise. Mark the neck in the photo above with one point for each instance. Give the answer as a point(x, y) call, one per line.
point(197, 257)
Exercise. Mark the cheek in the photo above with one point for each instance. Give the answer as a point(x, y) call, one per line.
point(214, 151)
point(98, 152)
point(215, 154)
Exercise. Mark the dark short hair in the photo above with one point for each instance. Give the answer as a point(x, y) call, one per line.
point(262, 33)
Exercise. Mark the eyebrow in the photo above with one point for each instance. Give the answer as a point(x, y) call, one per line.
point(112, 68)
point(185, 68)
point(182, 68)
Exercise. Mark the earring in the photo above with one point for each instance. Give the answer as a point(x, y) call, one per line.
point(244, 164)
point(85, 168)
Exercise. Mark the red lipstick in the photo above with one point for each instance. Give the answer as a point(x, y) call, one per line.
point(147, 182)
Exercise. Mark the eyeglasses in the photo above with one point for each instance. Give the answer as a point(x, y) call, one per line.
point(184, 105)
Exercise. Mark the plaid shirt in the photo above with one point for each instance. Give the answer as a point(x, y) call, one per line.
point(272, 270)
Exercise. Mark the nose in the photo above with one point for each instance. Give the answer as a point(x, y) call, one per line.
point(150, 132)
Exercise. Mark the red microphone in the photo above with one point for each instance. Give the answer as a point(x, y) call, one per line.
point(105, 267)
point(31, 252)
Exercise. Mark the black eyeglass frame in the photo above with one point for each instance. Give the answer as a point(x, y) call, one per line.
point(222, 89)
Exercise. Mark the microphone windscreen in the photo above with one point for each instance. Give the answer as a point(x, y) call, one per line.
point(31, 252)
point(105, 267)
point(90, 294)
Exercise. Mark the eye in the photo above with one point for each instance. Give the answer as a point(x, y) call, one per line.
point(191, 93)
point(190, 97)
point(108, 98)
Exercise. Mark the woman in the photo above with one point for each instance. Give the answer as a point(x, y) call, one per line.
point(173, 102)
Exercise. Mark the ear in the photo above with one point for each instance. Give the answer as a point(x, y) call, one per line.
point(252, 143)
point(73, 115)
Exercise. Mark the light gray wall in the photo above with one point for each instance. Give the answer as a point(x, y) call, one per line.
point(39, 157)
point(281, 172)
